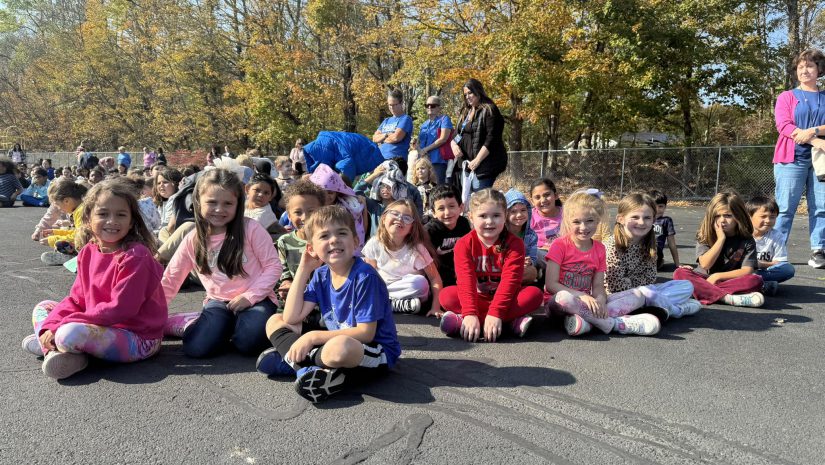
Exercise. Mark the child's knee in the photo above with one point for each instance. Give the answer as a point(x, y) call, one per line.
point(71, 337)
point(342, 351)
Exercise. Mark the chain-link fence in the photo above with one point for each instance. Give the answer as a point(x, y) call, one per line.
point(688, 173)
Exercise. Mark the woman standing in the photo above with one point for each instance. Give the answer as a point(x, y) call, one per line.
point(800, 120)
point(17, 154)
point(433, 138)
point(393, 135)
point(297, 154)
point(479, 139)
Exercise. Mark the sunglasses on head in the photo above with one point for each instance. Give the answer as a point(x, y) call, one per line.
point(406, 219)
point(432, 105)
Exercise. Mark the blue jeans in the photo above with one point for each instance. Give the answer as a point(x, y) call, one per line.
point(792, 180)
point(440, 172)
point(479, 184)
point(31, 201)
point(780, 272)
point(217, 325)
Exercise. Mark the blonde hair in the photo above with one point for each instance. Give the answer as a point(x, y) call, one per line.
point(430, 171)
point(417, 235)
point(633, 202)
point(582, 201)
point(729, 201)
point(280, 160)
point(244, 160)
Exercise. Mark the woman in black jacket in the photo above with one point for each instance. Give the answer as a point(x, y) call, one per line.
point(479, 136)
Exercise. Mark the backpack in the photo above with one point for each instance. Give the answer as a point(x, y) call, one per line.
point(183, 209)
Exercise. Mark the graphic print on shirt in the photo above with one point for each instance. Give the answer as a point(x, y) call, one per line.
point(765, 256)
point(735, 256)
point(212, 260)
point(579, 277)
point(332, 323)
point(485, 284)
point(447, 245)
point(658, 230)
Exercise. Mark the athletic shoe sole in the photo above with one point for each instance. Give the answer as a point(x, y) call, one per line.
point(271, 363)
point(817, 266)
point(522, 325)
point(31, 345)
point(319, 384)
point(450, 324)
point(61, 365)
point(575, 325)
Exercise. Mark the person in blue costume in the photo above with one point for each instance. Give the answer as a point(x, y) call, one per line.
point(348, 153)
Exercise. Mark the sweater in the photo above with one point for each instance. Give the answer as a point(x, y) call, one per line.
point(785, 124)
point(117, 290)
point(260, 262)
point(488, 273)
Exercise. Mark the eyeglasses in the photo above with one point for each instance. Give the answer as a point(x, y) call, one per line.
point(406, 219)
point(432, 105)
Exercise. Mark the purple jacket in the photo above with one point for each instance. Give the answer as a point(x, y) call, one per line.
point(785, 124)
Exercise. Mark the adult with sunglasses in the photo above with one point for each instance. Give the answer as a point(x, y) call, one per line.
point(394, 133)
point(433, 138)
point(479, 137)
point(800, 120)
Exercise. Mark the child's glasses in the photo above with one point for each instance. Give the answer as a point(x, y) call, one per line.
point(406, 219)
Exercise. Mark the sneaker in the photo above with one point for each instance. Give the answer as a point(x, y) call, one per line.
point(406, 305)
point(817, 259)
point(316, 384)
point(642, 325)
point(770, 288)
point(31, 345)
point(691, 307)
point(521, 324)
point(753, 299)
point(576, 326)
point(271, 363)
point(60, 365)
point(54, 258)
point(451, 323)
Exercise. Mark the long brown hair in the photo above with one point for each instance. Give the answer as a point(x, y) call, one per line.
point(138, 233)
point(632, 202)
point(230, 258)
point(728, 201)
point(417, 235)
point(169, 174)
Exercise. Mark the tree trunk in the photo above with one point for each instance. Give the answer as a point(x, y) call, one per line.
point(516, 125)
point(350, 123)
point(687, 120)
point(792, 10)
point(553, 123)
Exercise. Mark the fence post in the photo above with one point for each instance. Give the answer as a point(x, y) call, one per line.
point(718, 168)
point(621, 183)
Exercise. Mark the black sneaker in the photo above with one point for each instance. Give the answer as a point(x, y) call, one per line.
point(316, 384)
point(817, 259)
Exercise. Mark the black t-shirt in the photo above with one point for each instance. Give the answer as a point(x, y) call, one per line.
point(736, 253)
point(443, 241)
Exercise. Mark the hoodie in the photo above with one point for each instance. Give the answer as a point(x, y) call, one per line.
point(514, 196)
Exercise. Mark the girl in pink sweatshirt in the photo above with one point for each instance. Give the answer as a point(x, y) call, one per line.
point(116, 309)
point(237, 265)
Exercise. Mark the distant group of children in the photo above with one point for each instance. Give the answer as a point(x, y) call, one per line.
point(310, 282)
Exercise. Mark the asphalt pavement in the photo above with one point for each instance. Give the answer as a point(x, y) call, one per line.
point(726, 386)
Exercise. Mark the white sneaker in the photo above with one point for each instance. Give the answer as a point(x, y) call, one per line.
point(406, 305)
point(644, 324)
point(54, 258)
point(753, 299)
point(691, 307)
point(31, 345)
point(60, 365)
point(575, 325)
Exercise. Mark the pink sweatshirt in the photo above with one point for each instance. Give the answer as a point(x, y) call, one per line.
point(117, 290)
point(785, 124)
point(260, 262)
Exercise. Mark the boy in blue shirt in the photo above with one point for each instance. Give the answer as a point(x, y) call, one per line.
point(360, 341)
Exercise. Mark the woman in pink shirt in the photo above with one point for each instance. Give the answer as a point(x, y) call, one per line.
point(237, 265)
point(800, 120)
point(116, 309)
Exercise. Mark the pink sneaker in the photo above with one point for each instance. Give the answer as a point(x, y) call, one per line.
point(451, 323)
point(521, 324)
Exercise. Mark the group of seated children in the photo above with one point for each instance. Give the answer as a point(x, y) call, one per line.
point(318, 304)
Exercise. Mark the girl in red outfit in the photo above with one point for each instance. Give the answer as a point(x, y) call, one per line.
point(116, 309)
point(726, 256)
point(489, 264)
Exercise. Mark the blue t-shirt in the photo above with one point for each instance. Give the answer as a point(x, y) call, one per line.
point(429, 134)
point(124, 159)
point(388, 126)
point(809, 112)
point(363, 298)
point(663, 227)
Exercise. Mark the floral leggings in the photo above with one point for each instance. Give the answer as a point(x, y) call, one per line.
point(111, 344)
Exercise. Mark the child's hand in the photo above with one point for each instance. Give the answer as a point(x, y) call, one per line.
point(720, 232)
point(44, 241)
point(594, 306)
point(492, 328)
point(470, 328)
point(283, 289)
point(47, 340)
point(310, 262)
point(238, 304)
point(714, 278)
point(436, 312)
point(300, 348)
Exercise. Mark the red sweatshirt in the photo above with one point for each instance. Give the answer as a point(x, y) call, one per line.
point(485, 273)
point(118, 290)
